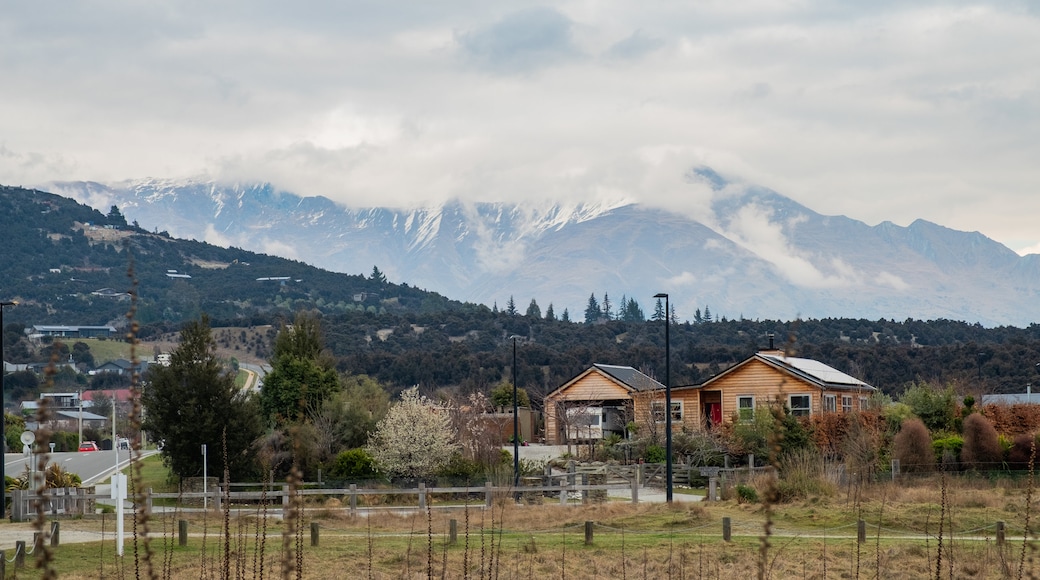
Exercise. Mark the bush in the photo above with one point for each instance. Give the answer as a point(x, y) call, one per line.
point(982, 448)
point(936, 408)
point(1021, 449)
point(353, 464)
point(746, 494)
point(654, 454)
point(947, 448)
point(912, 446)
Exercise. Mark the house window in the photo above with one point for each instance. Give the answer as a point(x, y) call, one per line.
point(800, 405)
point(862, 403)
point(846, 403)
point(657, 408)
point(829, 404)
point(746, 408)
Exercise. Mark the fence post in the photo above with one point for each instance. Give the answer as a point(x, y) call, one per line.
point(487, 494)
point(571, 469)
point(453, 532)
point(3, 563)
point(635, 487)
point(148, 500)
point(861, 531)
point(55, 534)
point(563, 492)
point(422, 495)
point(588, 533)
point(314, 534)
point(353, 499)
point(1000, 533)
point(584, 492)
point(285, 502)
point(751, 462)
point(895, 469)
point(713, 488)
point(182, 532)
point(727, 529)
point(19, 554)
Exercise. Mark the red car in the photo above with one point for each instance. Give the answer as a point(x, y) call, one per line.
point(88, 446)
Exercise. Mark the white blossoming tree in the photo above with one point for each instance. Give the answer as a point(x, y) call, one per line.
point(414, 439)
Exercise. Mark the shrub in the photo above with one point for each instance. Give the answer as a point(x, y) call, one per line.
point(982, 448)
point(947, 448)
point(353, 464)
point(746, 494)
point(912, 446)
point(936, 408)
point(654, 454)
point(1018, 455)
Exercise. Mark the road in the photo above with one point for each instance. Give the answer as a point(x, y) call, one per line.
point(92, 467)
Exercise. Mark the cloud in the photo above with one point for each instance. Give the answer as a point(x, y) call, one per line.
point(683, 279)
point(754, 229)
point(637, 45)
point(520, 42)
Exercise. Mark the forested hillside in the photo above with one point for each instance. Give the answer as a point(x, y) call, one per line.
point(59, 253)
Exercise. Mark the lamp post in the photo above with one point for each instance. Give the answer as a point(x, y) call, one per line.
point(3, 426)
point(516, 426)
point(667, 400)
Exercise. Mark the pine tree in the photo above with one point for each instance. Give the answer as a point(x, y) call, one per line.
point(549, 314)
point(633, 312)
point(607, 314)
point(511, 306)
point(194, 401)
point(377, 276)
point(659, 311)
point(697, 318)
point(707, 314)
point(622, 313)
point(533, 311)
point(566, 316)
point(592, 311)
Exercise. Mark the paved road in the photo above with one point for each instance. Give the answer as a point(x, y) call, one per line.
point(92, 467)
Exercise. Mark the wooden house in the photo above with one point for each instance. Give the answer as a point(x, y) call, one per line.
point(804, 386)
point(595, 404)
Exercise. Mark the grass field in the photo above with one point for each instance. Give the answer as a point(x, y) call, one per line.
point(815, 538)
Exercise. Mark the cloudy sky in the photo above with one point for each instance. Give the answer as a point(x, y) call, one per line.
point(875, 110)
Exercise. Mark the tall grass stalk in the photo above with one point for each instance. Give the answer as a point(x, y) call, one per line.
point(942, 521)
point(1029, 505)
point(44, 555)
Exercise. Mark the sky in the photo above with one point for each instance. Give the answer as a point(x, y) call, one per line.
point(880, 111)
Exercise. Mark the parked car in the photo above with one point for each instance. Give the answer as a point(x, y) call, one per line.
point(88, 446)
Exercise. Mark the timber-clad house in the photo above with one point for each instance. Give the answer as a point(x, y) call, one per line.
point(769, 377)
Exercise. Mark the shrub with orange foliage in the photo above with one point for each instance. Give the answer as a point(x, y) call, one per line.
point(981, 448)
point(1013, 420)
point(912, 446)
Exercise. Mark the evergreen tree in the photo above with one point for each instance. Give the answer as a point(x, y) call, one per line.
point(707, 314)
point(659, 311)
point(697, 318)
point(549, 314)
point(633, 312)
point(566, 316)
point(675, 317)
point(115, 217)
point(592, 311)
point(533, 311)
point(622, 312)
point(302, 374)
point(195, 401)
point(607, 311)
point(377, 276)
point(511, 306)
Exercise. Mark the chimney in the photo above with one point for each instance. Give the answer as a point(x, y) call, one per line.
point(771, 341)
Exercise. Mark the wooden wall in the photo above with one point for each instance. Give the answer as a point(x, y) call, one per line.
point(594, 387)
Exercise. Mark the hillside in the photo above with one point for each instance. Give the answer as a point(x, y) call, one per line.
point(69, 264)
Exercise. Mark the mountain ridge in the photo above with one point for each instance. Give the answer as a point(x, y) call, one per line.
point(759, 255)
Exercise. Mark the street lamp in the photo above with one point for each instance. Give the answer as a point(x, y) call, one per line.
point(516, 425)
point(3, 427)
point(667, 401)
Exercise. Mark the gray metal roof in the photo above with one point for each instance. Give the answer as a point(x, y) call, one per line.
point(630, 377)
point(1012, 399)
point(817, 371)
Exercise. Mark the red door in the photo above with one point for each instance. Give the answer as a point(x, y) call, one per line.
point(714, 413)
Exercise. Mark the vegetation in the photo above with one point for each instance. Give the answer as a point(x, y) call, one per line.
point(194, 402)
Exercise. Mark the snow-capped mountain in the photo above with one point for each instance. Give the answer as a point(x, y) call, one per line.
point(761, 255)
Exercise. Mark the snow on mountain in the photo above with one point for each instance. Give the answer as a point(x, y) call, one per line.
point(761, 255)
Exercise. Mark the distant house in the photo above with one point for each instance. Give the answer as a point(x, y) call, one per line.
point(121, 366)
point(804, 386)
point(1008, 399)
point(63, 331)
point(594, 404)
